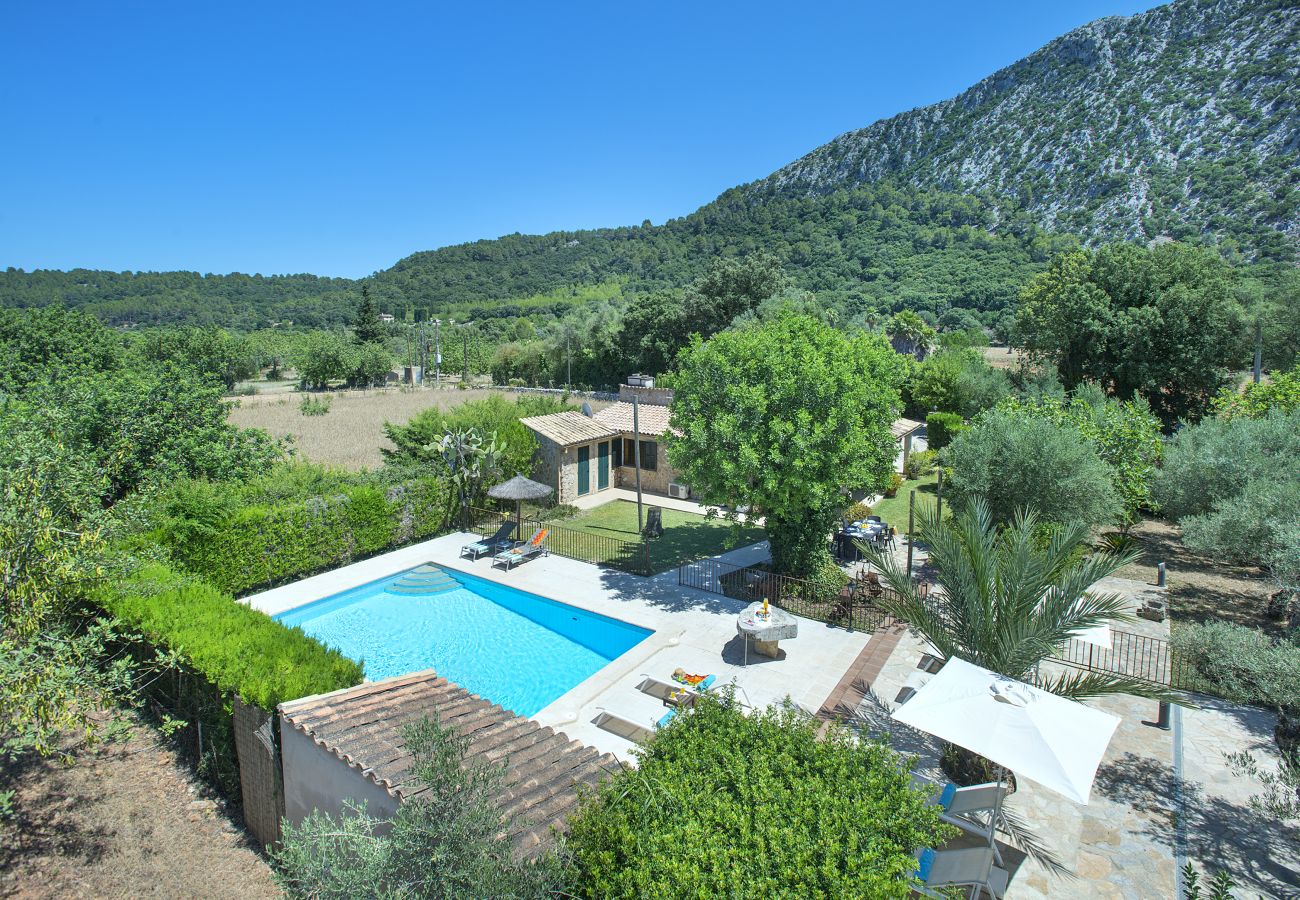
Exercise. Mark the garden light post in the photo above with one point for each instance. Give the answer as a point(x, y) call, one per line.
point(911, 515)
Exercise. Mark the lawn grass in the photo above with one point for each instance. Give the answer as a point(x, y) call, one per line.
point(894, 509)
point(687, 536)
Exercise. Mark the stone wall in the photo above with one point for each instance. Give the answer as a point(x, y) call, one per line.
point(654, 481)
point(653, 396)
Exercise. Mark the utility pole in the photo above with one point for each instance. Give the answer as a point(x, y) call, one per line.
point(938, 507)
point(1259, 350)
point(636, 457)
point(911, 516)
point(464, 357)
point(437, 353)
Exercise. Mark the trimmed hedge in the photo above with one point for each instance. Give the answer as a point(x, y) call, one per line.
point(941, 428)
point(236, 648)
point(263, 544)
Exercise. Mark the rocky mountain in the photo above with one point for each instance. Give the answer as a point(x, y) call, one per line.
point(1183, 121)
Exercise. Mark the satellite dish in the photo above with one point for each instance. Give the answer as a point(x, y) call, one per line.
point(586, 410)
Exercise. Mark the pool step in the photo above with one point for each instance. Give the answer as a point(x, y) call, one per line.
point(424, 581)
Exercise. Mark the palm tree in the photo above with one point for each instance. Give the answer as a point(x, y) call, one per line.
point(1007, 603)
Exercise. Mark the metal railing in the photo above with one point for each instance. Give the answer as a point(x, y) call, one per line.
point(850, 606)
point(627, 556)
point(1131, 655)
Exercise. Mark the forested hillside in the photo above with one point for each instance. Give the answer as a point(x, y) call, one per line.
point(162, 298)
point(873, 246)
point(1181, 121)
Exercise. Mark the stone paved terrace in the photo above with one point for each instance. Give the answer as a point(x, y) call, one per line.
point(692, 629)
point(1123, 843)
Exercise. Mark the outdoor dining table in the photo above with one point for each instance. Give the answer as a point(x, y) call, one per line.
point(765, 633)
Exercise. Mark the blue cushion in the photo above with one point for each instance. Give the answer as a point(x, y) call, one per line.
point(667, 717)
point(948, 795)
point(925, 862)
point(706, 683)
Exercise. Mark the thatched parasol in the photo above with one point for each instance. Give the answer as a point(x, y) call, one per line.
point(519, 489)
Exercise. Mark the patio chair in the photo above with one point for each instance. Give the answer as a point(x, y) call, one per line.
point(975, 809)
point(914, 683)
point(972, 867)
point(536, 546)
point(495, 544)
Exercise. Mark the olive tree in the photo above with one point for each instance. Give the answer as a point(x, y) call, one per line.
point(783, 416)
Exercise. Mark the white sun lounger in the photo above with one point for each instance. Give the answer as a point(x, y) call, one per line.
point(975, 809)
point(972, 867)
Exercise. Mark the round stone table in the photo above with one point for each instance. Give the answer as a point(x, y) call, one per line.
point(765, 633)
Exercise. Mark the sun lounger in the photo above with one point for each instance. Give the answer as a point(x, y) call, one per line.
point(536, 546)
point(625, 727)
point(972, 867)
point(975, 809)
point(672, 691)
point(495, 544)
point(914, 683)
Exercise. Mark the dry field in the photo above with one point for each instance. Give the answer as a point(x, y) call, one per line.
point(352, 432)
point(1000, 357)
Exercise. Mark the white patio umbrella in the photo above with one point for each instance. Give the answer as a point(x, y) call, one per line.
point(1055, 742)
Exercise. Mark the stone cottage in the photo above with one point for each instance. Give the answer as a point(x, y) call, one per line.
point(580, 455)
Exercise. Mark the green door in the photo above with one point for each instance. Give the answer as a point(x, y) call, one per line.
point(602, 465)
point(584, 470)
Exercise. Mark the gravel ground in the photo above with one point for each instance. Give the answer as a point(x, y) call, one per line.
point(125, 819)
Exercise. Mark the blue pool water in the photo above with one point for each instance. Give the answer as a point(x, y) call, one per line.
point(509, 646)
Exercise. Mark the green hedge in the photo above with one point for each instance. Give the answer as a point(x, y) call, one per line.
point(722, 804)
point(263, 544)
point(236, 648)
point(941, 428)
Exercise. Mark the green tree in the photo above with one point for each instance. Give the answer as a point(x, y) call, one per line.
point(1234, 486)
point(910, 334)
point(1008, 603)
point(210, 351)
point(371, 364)
point(366, 327)
point(782, 417)
point(723, 804)
point(1159, 322)
point(955, 381)
point(322, 357)
point(447, 843)
point(41, 346)
point(1280, 392)
point(1125, 434)
point(1012, 461)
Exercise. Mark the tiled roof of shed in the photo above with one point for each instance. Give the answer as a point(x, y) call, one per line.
point(652, 418)
point(362, 726)
point(903, 427)
point(568, 428)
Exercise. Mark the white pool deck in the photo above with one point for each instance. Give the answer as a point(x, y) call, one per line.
point(692, 629)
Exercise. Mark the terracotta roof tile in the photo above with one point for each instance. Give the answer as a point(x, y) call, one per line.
point(652, 418)
point(362, 726)
point(568, 428)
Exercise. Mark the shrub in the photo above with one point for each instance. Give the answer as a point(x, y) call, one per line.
point(237, 648)
point(1241, 664)
point(1234, 487)
point(796, 816)
point(240, 547)
point(314, 406)
point(941, 428)
point(1016, 462)
point(895, 482)
point(447, 843)
point(559, 511)
point(920, 463)
point(858, 512)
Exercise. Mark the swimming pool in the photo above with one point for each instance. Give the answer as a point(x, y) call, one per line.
point(506, 645)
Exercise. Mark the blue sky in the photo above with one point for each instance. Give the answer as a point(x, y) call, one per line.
point(337, 138)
